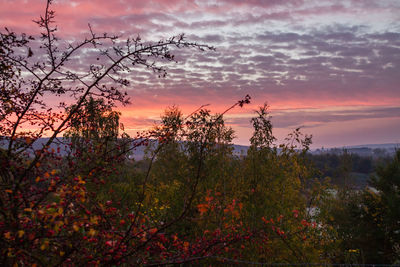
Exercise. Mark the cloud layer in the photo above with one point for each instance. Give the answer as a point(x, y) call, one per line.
point(306, 58)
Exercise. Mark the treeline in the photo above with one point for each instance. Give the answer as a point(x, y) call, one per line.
point(273, 205)
point(345, 168)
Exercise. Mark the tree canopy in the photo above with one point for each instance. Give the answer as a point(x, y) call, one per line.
point(190, 200)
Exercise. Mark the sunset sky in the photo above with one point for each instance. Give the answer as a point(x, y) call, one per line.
point(332, 67)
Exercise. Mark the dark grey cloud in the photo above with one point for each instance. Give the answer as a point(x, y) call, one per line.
point(312, 118)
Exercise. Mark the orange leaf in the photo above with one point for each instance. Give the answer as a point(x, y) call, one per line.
point(21, 233)
point(153, 231)
point(202, 208)
point(7, 235)
point(186, 246)
point(92, 232)
point(75, 227)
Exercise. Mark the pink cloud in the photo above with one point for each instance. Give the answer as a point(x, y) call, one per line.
point(264, 48)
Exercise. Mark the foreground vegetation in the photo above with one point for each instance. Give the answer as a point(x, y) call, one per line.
point(190, 200)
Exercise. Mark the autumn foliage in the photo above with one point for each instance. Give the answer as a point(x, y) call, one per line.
point(81, 199)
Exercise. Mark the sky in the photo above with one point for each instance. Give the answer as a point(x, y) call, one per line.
point(330, 67)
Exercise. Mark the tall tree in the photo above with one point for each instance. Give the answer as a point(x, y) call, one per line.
point(47, 215)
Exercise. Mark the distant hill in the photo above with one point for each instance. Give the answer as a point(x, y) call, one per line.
point(374, 150)
point(374, 146)
point(238, 150)
point(138, 152)
point(39, 143)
